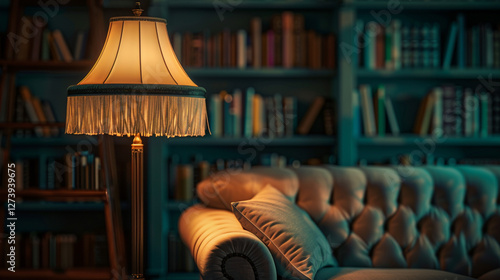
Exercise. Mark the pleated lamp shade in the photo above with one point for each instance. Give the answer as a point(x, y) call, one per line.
point(137, 86)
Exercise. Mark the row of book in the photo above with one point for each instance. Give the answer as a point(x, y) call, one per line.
point(179, 257)
point(30, 109)
point(43, 44)
point(56, 251)
point(445, 111)
point(416, 45)
point(185, 177)
point(286, 44)
point(421, 159)
point(75, 171)
point(248, 114)
point(397, 46)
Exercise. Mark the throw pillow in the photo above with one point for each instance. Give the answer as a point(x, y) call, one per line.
point(298, 247)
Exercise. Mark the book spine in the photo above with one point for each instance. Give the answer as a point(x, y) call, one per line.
point(452, 38)
point(242, 49)
point(248, 105)
point(461, 41)
point(406, 46)
point(256, 25)
point(426, 46)
point(416, 48)
point(381, 111)
point(484, 114)
point(449, 113)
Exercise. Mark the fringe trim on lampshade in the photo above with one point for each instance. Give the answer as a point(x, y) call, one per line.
point(148, 115)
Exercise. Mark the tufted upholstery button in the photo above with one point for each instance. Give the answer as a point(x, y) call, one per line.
point(369, 225)
point(416, 190)
point(387, 254)
point(349, 190)
point(486, 256)
point(469, 223)
point(314, 198)
point(449, 189)
point(454, 258)
point(493, 226)
point(436, 226)
point(354, 253)
point(481, 196)
point(402, 226)
point(382, 189)
point(422, 254)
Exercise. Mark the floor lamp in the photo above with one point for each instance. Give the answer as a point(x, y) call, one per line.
point(137, 88)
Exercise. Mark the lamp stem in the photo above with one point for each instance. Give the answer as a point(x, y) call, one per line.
point(137, 208)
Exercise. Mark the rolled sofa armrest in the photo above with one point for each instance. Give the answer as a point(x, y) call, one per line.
point(221, 248)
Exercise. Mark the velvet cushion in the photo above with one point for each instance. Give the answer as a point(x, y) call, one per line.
point(296, 243)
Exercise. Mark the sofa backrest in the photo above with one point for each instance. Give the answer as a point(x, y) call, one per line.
point(431, 217)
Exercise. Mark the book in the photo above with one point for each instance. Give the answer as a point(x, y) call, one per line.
point(30, 109)
point(367, 110)
point(242, 48)
point(437, 114)
point(288, 40)
point(256, 32)
point(391, 116)
point(452, 38)
point(356, 114)
point(379, 102)
point(184, 187)
point(396, 45)
point(236, 112)
point(258, 116)
point(290, 115)
point(311, 115)
point(62, 46)
point(215, 115)
point(372, 29)
point(80, 42)
point(248, 112)
point(277, 28)
point(461, 42)
point(50, 116)
point(422, 123)
point(41, 115)
point(329, 116)
point(45, 48)
point(484, 114)
point(279, 117)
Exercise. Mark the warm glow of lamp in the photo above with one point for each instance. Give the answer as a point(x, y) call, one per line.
point(137, 88)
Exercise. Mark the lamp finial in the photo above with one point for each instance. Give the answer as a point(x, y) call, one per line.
point(137, 11)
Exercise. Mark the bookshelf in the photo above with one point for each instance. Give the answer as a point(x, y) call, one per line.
point(67, 210)
point(302, 83)
point(408, 86)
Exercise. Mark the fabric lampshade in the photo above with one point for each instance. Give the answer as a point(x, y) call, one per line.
point(137, 86)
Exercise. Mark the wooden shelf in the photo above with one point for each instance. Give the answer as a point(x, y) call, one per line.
point(183, 276)
point(453, 73)
point(16, 125)
point(414, 140)
point(47, 274)
point(59, 195)
point(53, 141)
point(291, 141)
point(259, 73)
point(427, 5)
point(258, 4)
point(81, 65)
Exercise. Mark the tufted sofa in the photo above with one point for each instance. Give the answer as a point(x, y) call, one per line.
point(381, 222)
